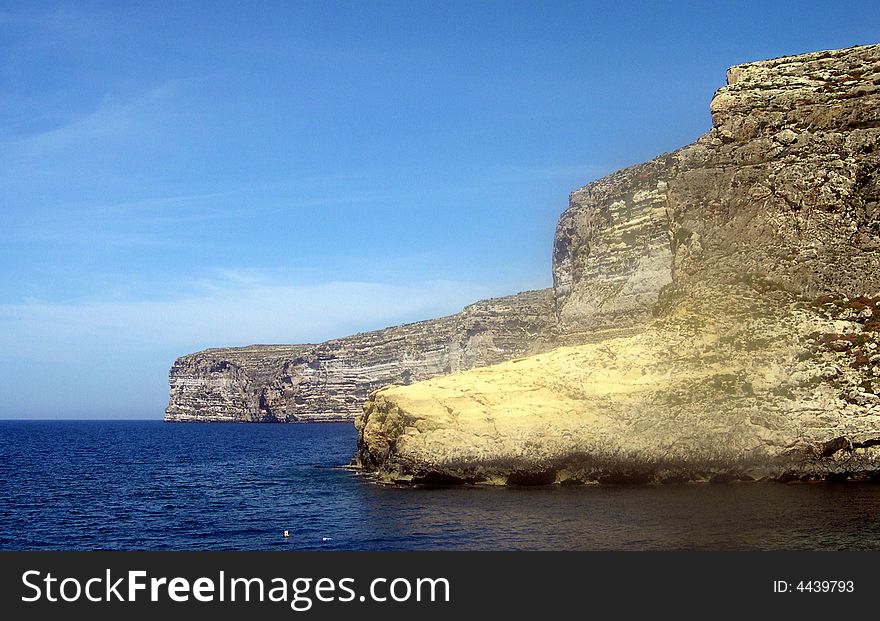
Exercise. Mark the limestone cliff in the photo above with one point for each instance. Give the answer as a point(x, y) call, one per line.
point(722, 303)
point(783, 186)
point(331, 380)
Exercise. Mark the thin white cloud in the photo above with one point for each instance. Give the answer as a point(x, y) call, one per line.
point(243, 308)
point(110, 358)
point(115, 119)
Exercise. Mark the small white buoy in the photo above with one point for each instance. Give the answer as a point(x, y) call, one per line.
point(286, 534)
point(326, 538)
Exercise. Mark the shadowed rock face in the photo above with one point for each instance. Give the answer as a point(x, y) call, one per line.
point(715, 298)
point(331, 380)
point(612, 253)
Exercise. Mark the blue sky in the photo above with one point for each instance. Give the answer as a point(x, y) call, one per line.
point(181, 175)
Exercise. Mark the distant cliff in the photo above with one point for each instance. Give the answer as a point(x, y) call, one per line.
point(721, 304)
point(331, 380)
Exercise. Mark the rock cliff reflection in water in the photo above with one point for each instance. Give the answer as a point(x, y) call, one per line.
point(149, 485)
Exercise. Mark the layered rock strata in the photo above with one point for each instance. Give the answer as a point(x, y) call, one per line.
point(331, 380)
point(722, 303)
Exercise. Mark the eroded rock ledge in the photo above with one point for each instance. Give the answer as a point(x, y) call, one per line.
point(721, 307)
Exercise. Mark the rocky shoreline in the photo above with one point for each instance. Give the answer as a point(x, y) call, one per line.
point(781, 396)
point(717, 308)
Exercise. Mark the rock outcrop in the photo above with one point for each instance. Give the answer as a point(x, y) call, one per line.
point(721, 304)
point(331, 380)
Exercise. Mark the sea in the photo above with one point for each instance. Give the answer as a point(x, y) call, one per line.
point(149, 485)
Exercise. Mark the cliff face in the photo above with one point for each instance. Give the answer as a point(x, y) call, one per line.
point(783, 186)
point(716, 300)
point(331, 380)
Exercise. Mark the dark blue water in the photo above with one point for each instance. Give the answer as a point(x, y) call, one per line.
point(149, 485)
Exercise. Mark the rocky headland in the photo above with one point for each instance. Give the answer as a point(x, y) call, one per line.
point(717, 311)
point(330, 381)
